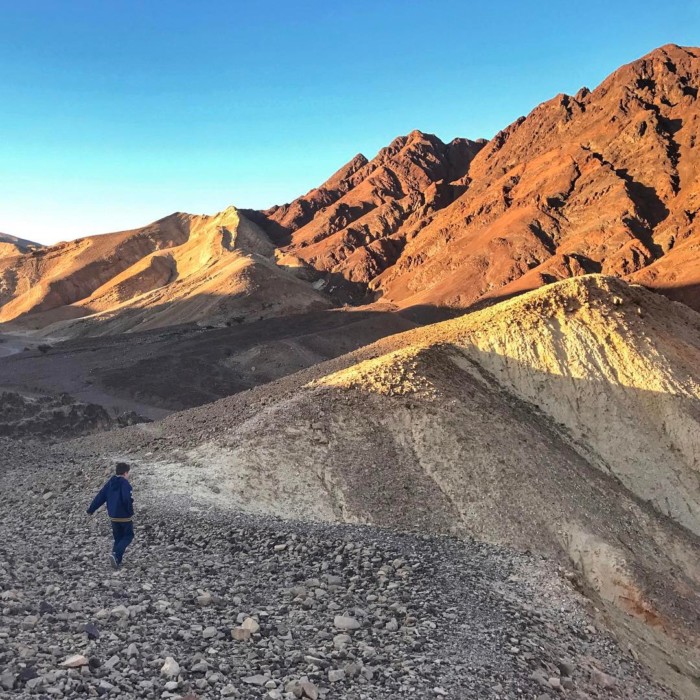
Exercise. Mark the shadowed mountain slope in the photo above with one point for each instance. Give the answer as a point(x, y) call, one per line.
point(11, 245)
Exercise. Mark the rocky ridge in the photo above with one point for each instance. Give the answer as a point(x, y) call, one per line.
point(212, 606)
point(436, 429)
point(604, 181)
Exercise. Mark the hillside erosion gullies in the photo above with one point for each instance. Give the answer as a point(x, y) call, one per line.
point(564, 421)
point(604, 181)
point(181, 269)
point(356, 223)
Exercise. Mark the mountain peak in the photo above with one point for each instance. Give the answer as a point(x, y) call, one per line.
point(602, 181)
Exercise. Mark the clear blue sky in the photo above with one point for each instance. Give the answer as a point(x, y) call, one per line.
point(114, 113)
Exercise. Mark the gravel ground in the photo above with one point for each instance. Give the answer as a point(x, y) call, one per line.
point(213, 605)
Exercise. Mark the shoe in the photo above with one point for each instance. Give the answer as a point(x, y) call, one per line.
point(113, 561)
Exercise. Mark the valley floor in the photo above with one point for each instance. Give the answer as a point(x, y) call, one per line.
point(434, 616)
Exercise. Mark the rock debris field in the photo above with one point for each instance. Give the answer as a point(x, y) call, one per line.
point(210, 605)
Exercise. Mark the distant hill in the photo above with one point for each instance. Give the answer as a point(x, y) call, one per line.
point(604, 181)
point(181, 269)
point(11, 245)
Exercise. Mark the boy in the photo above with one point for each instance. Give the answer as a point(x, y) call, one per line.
point(120, 507)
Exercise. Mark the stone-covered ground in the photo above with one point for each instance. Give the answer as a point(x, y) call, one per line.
point(214, 606)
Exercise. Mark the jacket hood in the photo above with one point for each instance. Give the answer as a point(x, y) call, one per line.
point(115, 483)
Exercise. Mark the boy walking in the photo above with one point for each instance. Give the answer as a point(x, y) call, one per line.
point(116, 493)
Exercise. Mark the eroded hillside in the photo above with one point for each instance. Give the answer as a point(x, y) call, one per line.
point(564, 421)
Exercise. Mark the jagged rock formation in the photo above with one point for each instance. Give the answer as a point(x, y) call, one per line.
point(533, 423)
point(602, 181)
point(180, 269)
point(357, 222)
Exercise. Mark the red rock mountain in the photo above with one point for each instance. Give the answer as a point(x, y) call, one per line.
point(357, 222)
point(602, 181)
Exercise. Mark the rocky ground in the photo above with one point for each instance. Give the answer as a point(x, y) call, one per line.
point(215, 606)
point(56, 417)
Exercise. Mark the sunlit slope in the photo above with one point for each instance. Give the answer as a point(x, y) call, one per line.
point(564, 421)
point(181, 269)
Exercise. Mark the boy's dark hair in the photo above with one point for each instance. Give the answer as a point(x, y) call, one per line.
point(122, 468)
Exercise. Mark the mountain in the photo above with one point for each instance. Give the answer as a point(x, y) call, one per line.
point(598, 182)
point(181, 269)
point(563, 422)
point(11, 245)
point(356, 223)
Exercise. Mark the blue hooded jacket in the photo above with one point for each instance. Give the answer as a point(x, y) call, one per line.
point(116, 493)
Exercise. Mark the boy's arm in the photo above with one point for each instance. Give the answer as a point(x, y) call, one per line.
point(98, 501)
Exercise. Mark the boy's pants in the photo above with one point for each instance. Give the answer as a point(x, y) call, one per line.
point(123, 534)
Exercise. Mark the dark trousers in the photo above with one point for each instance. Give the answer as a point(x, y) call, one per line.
point(123, 534)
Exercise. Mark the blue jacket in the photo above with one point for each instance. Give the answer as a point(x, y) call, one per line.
point(116, 493)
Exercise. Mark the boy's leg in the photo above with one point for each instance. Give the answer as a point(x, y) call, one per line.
point(126, 535)
point(116, 534)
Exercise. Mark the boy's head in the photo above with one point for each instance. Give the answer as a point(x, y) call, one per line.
point(122, 469)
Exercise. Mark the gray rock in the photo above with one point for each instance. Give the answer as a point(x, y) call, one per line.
point(241, 634)
point(602, 680)
point(343, 622)
point(7, 680)
point(30, 622)
point(204, 599)
point(112, 662)
point(121, 611)
point(257, 679)
point(170, 668)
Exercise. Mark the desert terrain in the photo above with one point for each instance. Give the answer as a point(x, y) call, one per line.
point(430, 430)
